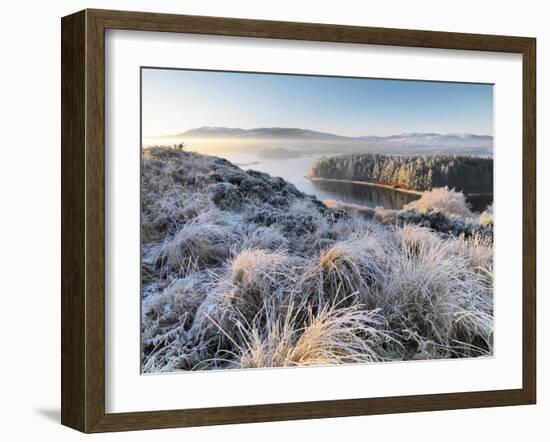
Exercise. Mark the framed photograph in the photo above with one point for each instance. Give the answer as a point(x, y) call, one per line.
point(269, 220)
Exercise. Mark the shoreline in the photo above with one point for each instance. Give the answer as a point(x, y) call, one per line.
point(366, 183)
point(384, 186)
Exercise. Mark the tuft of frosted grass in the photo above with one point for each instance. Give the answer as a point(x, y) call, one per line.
point(261, 237)
point(328, 335)
point(478, 250)
point(441, 199)
point(352, 270)
point(200, 242)
point(253, 276)
point(307, 230)
point(166, 317)
point(437, 295)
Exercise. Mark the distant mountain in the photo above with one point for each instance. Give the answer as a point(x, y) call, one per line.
point(428, 140)
point(429, 136)
point(309, 141)
point(290, 133)
point(285, 133)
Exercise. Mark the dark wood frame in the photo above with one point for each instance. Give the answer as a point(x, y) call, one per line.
point(83, 218)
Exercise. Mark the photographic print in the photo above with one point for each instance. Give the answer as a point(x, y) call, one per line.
point(303, 220)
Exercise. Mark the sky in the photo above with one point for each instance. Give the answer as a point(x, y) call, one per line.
point(174, 101)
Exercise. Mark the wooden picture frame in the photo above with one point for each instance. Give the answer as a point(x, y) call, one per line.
point(83, 220)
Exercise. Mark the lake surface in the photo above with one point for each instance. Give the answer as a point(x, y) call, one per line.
point(294, 171)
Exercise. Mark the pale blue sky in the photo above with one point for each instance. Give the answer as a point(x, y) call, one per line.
point(177, 100)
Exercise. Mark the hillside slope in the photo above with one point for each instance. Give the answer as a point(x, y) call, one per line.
point(242, 270)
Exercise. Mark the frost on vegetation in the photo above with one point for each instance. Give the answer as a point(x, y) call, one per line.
point(486, 217)
point(468, 174)
point(241, 270)
point(442, 210)
point(441, 199)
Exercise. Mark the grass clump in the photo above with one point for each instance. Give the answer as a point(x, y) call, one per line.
point(254, 276)
point(203, 243)
point(328, 335)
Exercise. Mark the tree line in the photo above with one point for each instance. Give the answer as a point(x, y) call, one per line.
point(463, 173)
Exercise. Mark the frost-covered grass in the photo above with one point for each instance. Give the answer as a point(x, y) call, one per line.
point(241, 270)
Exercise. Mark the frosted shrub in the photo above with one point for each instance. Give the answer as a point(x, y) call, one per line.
point(442, 199)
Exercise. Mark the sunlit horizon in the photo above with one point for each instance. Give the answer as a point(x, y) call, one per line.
point(179, 135)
